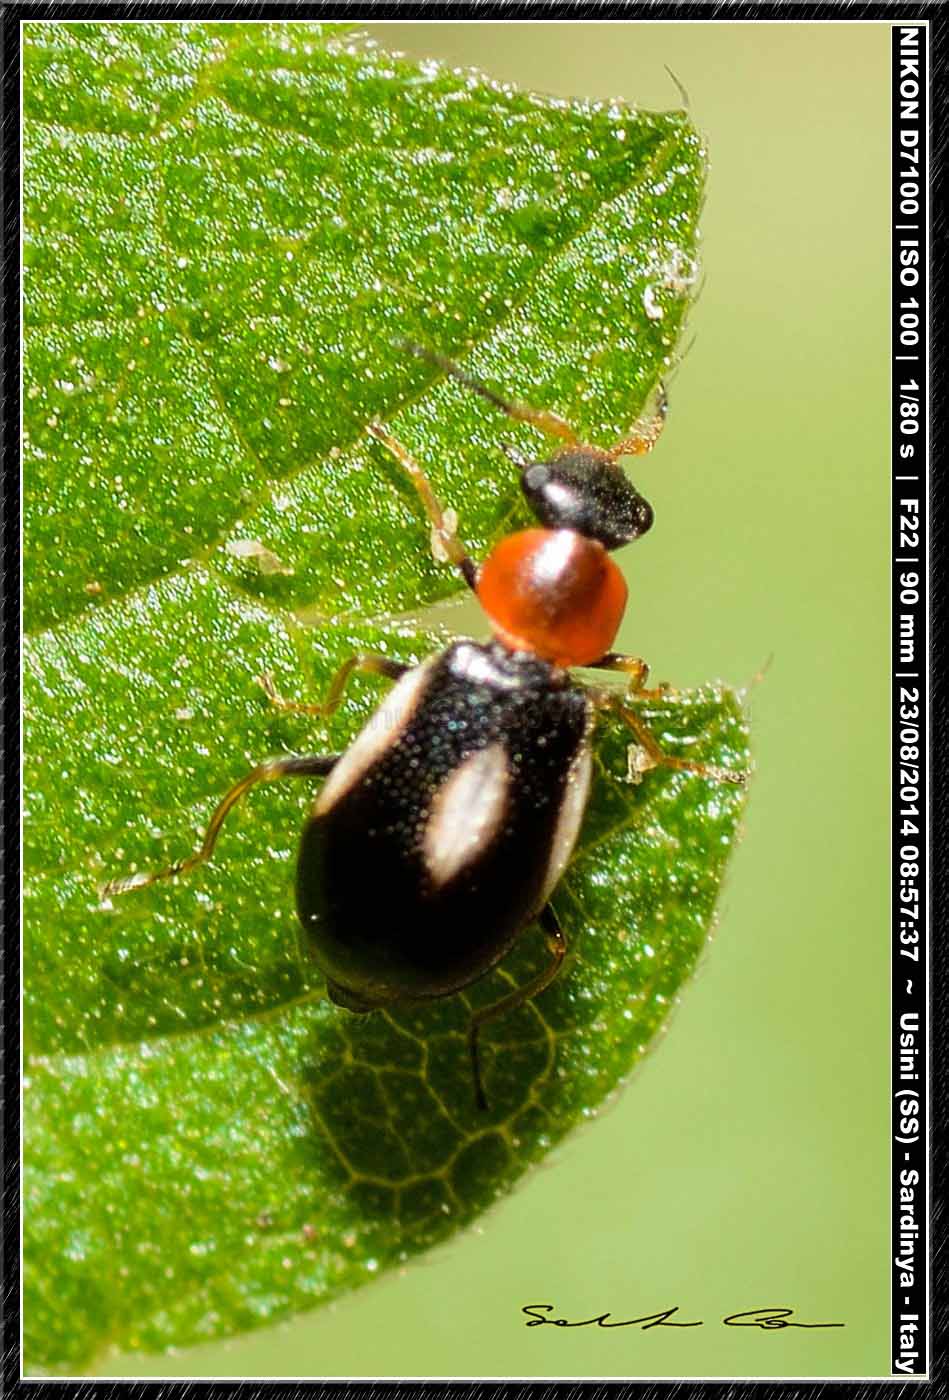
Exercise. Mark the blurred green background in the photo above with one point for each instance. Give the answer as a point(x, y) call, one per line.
point(747, 1163)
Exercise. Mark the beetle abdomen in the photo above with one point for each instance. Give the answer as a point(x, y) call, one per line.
point(443, 828)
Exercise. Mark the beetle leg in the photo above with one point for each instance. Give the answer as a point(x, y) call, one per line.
point(446, 546)
point(557, 946)
point(637, 671)
point(541, 418)
point(361, 661)
point(647, 753)
point(646, 431)
point(271, 770)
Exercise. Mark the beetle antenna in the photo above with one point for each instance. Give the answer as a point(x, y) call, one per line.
point(513, 455)
point(541, 418)
point(681, 86)
point(454, 371)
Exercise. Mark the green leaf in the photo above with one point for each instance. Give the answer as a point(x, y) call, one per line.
point(227, 226)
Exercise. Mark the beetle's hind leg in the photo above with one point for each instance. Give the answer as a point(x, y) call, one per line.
point(557, 946)
point(446, 546)
point(272, 770)
point(362, 661)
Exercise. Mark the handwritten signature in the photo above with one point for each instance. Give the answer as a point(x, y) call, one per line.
point(769, 1319)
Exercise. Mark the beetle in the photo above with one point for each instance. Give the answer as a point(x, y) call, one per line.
point(440, 834)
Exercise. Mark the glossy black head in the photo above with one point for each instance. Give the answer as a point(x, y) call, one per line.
point(583, 489)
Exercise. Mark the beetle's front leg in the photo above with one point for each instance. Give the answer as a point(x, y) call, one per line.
point(637, 672)
point(446, 546)
point(362, 661)
point(647, 753)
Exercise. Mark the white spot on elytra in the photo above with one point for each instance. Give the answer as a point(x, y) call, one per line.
point(571, 815)
point(380, 731)
point(466, 812)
